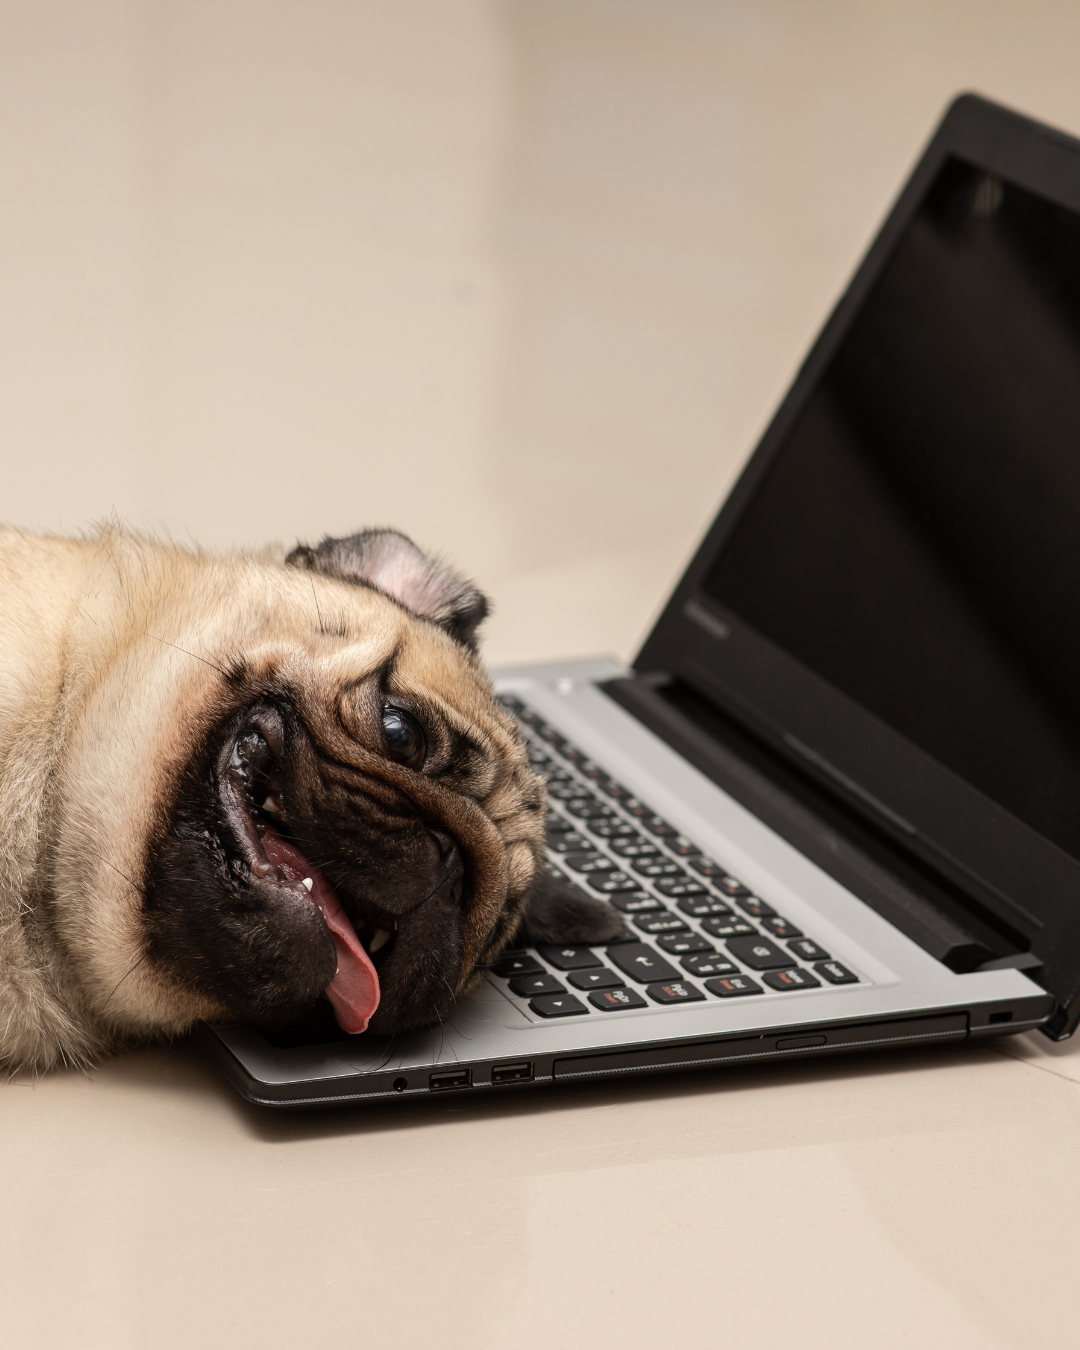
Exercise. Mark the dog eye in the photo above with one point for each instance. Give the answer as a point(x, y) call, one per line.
point(404, 739)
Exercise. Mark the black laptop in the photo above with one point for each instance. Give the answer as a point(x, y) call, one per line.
point(837, 797)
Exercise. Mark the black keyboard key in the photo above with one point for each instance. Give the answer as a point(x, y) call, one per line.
point(569, 958)
point(658, 826)
point(835, 973)
point(675, 991)
point(563, 791)
point(728, 928)
point(702, 906)
point(685, 848)
point(617, 1000)
point(586, 863)
point(678, 944)
point(676, 887)
point(755, 906)
point(759, 953)
point(733, 986)
point(634, 808)
point(602, 978)
point(527, 985)
point(558, 1005)
point(809, 951)
point(661, 922)
point(511, 703)
point(709, 964)
point(791, 979)
point(641, 963)
point(781, 928)
point(634, 845)
point(705, 867)
point(571, 842)
point(610, 883)
point(556, 825)
point(613, 828)
point(591, 770)
point(658, 867)
point(517, 963)
point(586, 808)
point(610, 788)
point(636, 902)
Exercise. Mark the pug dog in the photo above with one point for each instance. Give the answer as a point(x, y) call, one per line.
point(253, 787)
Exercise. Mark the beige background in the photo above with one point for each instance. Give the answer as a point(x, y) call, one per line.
point(525, 279)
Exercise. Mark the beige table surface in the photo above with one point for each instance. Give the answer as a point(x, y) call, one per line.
point(525, 278)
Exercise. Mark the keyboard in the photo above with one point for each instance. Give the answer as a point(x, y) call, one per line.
point(694, 931)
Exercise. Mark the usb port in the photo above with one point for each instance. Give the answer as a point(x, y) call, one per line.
point(513, 1073)
point(456, 1078)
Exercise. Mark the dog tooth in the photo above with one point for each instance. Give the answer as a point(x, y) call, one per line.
point(307, 884)
point(381, 938)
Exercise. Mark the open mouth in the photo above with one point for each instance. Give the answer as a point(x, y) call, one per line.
point(364, 940)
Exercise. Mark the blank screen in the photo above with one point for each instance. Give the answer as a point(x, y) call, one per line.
point(916, 541)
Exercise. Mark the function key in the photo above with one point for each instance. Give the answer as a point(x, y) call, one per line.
point(549, 735)
point(733, 986)
point(675, 991)
point(634, 807)
point(634, 845)
point(569, 958)
point(676, 887)
point(662, 922)
point(684, 847)
point(791, 979)
point(781, 928)
point(809, 951)
point(612, 789)
point(709, 964)
point(658, 867)
point(701, 906)
point(572, 753)
point(601, 978)
point(678, 944)
point(511, 703)
point(585, 863)
point(835, 973)
point(641, 963)
point(557, 1005)
point(728, 928)
point(610, 883)
point(759, 953)
point(517, 963)
point(658, 826)
point(755, 906)
point(639, 902)
point(531, 719)
point(526, 985)
point(617, 1000)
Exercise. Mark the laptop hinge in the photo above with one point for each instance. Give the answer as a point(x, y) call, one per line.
point(898, 886)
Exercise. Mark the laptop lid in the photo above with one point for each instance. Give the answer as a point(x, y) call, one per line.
point(890, 596)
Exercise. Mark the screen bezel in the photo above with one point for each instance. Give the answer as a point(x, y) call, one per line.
point(1029, 883)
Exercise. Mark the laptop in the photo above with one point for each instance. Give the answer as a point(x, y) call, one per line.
point(837, 796)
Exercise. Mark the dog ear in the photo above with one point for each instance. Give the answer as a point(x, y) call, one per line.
point(391, 563)
point(556, 912)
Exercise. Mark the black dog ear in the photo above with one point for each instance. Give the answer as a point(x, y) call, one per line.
point(557, 912)
point(392, 563)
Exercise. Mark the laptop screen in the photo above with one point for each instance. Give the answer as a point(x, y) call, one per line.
point(916, 540)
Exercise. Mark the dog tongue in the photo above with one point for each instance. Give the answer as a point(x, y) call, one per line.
point(354, 990)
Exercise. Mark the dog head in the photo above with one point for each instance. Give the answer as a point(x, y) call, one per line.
point(342, 814)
